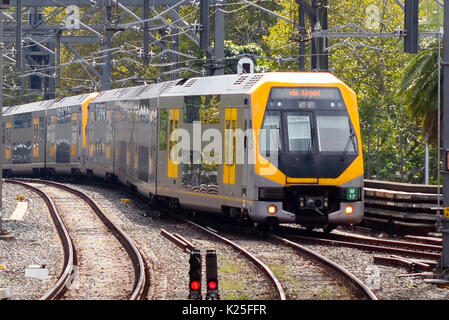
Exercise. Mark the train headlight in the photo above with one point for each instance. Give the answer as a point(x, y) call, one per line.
point(272, 209)
point(326, 202)
point(349, 210)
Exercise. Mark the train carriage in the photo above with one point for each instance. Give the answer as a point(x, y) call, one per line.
point(122, 120)
point(65, 134)
point(274, 147)
point(23, 138)
point(303, 138)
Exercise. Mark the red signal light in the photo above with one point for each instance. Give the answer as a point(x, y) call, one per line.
point(194, 285)
point(212, 285)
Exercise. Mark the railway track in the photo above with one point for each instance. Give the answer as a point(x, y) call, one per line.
point(99, 258)
point(257, 262)
point(411, 253)
point(320, 270)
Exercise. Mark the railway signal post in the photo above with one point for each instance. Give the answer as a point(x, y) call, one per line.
point(195, 275)
point(212, 275)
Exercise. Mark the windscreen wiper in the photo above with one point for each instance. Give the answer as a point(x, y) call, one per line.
point(309, 150)
point(350, 139)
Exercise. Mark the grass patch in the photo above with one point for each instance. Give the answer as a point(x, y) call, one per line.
point(234, 296)
point(230, 267)
point(281, 272)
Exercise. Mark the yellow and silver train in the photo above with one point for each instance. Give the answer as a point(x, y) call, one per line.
point(273, 148)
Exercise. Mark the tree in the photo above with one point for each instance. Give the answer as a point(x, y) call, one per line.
point(419, 91)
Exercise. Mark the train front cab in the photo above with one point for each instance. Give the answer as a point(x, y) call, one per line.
point(309, 163)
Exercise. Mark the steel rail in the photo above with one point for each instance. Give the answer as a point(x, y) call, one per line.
point(357, 238)
point(370, 247)
point(70, 258)
point(249, 255)
point(347, 277)
point(141, 273)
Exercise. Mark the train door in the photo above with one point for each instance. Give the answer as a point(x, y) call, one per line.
point(173, 126)
point(153, 150)
point(229, 164)
point(246, 141)
point(36, 134)
point(74, 138)
point(52, 139)
point(8, 141)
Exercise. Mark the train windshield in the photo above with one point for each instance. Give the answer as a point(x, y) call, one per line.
point(335, 134)
point(307, 120)
point(299, 132)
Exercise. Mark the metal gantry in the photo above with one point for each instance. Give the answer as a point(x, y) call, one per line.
point(36, 44)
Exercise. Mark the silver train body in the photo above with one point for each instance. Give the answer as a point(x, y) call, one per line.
point(128, 134)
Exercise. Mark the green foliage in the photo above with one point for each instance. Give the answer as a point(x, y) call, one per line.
point(419, 91)
point(396, 91)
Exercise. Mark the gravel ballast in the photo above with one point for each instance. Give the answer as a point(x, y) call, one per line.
point(35, 241)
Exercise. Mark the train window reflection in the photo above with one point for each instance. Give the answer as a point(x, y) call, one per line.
point(299, 133)
point(334, 134)
point(269, 140)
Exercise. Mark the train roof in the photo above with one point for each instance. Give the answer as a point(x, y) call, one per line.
point(72, 101)
point(132, 93)
point(29, 107)
point(225, 84)
point(214, 85)
point(244, 83)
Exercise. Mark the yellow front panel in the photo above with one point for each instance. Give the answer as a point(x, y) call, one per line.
point(173, 124)
point(259, 98)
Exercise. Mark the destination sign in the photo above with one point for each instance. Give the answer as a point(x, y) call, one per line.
point(306, 93)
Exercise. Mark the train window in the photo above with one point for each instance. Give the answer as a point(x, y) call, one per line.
point(269, 140)
point(299, 133)
point(335, 134)
point(192, 109)
point(174, 125)
point(63, 115)
point(163, 124)
point(22, 121)
point(210, 109)
point(41, 129)
point(202, 108)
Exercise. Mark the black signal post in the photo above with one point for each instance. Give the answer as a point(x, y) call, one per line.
point(195, 275)
point(212, 275)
